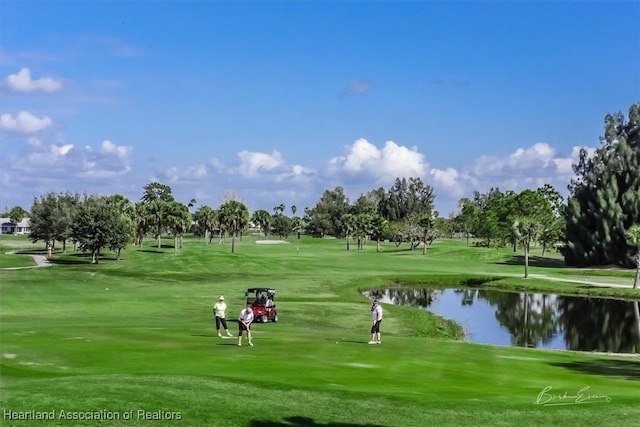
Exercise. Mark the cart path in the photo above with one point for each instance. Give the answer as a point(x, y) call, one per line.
point(40, 260)
point(595, 283)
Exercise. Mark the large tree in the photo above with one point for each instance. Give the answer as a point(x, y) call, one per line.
point(325, 217)
point(124, 226)
point(51, 218)
point(281, 225)
point(98, 224)
point(379, 227)
point(553, 224)
point(604, 199)
point(633, 234)
point(156, 191)
point(405, 198)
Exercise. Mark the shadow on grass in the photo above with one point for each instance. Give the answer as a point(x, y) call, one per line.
point(87, 255)
point(80, 259)
point(534, 261)
point(67, 261)
point(154, 248)
point(626, 369)
point(32, 252)
point(305, 421)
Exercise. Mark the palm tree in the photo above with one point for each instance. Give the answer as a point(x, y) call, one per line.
point(207, 221)
point(378, 228)
point(142, 221)
point(263, 219)
point(191, 204)
point(348, 225)
point(294, 209)
point(633, 235)
point(234, 217)
point(178, 221)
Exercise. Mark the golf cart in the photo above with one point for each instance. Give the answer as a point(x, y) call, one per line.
point(262, 304)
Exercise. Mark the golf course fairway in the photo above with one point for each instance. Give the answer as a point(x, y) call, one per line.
point(132, 341)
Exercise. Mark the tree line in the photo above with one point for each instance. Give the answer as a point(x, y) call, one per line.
point(596, 225)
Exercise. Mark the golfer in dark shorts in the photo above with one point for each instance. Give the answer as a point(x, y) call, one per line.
point(244, 324)
point(376, 312)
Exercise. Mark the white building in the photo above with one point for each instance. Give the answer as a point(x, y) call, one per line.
point(8, 227)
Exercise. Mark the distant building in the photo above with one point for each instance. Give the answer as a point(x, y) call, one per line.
point(8, 227)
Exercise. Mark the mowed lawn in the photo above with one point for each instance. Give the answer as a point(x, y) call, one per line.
point(132, 342)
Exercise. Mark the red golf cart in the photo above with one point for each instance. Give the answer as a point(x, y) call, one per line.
point(262, 304)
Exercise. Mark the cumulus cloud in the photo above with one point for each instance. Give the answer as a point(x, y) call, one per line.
point(449, 180)
point(252, 164)
point(252, 168)
point(23, 83)
point(68, 161)
point(366, 161)
point(529, 167)
point(24, 123)
point(539, 160)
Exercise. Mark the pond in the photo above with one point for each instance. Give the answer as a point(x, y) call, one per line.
point(530, 320)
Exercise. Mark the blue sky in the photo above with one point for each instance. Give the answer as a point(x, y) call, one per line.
point(274, 102)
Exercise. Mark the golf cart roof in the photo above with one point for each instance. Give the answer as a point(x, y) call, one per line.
point(261, 290)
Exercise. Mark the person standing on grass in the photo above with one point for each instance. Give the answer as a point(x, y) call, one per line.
point(220, 313)
point(376, 311)
point(244, 324)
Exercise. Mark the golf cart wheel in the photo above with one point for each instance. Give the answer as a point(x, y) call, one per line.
point(264, 318)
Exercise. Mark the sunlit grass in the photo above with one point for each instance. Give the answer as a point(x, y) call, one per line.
point(137, 334)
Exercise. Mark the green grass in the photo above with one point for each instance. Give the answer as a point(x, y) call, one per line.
point(137, 335)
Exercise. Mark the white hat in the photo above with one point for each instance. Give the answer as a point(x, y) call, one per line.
point(221, 298)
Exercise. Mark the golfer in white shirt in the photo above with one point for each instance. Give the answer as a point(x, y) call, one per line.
point(244, 324)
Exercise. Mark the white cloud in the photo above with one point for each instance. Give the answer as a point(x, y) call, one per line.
point(538, 161)
point(122, 152)
point(69, 162)
point(524, 168)
point(22, 82)
point(365, 160)
point(266, 179)
point(253, 167)
point(252, 164)
point(448, 179)
point(24, 123)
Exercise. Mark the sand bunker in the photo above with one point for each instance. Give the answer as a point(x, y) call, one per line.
point(271, 242)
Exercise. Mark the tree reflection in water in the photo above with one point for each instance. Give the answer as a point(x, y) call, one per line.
point(534, 320)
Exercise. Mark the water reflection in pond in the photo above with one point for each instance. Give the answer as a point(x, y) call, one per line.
point(531, 320)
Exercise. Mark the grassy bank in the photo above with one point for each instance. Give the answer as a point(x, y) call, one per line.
point(136, 335)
